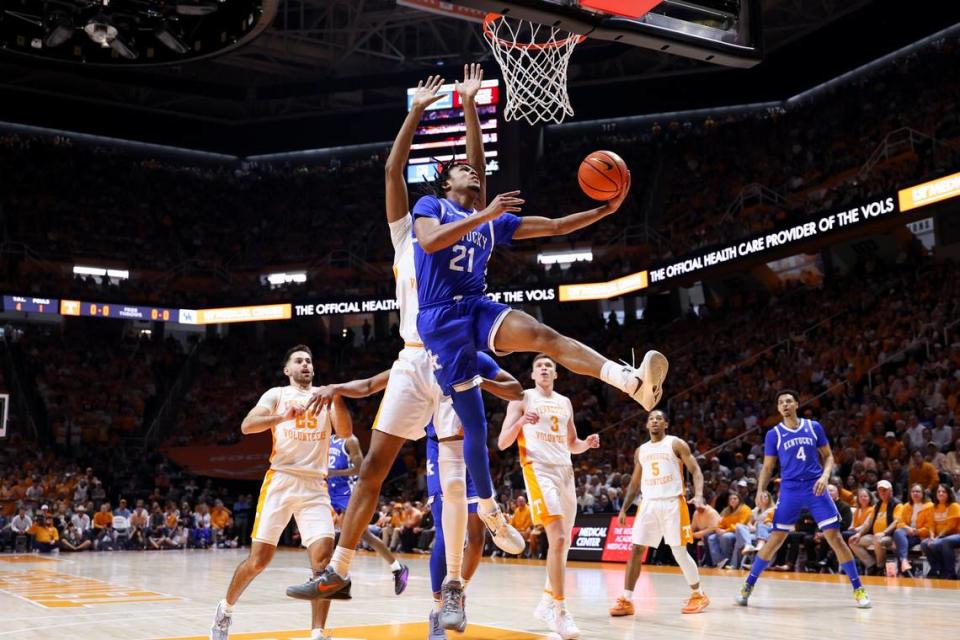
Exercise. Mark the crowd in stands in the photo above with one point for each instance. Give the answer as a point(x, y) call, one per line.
point(96, 386)
point(170, 222)
point(51, 503)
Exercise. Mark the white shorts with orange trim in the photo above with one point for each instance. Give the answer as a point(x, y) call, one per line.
point(551, 492)
point(303, 497)
point(410, 399)
point(666, 519)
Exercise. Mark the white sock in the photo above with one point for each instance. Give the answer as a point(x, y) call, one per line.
point(453, 482)
point(465, 583)
point(226, 606)
point(316, 634)
point(396, 566)
point(628, 594)
point(437, 603)
point(612, 373)
point(547, 597)
point(341, 560)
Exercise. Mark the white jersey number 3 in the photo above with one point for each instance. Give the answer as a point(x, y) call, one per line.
point(459, 253)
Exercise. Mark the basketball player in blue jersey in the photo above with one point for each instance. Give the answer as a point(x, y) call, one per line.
point(345, 460)
point(806, 463)
point(455, 232)
point(449, 613)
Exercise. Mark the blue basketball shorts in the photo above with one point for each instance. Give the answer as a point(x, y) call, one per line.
point(796, 497)
point(340, 502)
point(454, 333)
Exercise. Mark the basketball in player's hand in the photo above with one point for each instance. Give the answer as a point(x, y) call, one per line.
point(602, 175)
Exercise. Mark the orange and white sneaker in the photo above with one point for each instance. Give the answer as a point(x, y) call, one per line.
point(697, 603)
point(622, 607)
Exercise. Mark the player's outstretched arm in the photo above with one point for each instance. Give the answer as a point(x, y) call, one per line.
point(355, 454)
point(468, 88)
point(397, 203)
point(433, 236)
point(324, 395)
point(513, 422)
point(541, 227)
point(633, 490)
point(682, 449)
point(504, 386)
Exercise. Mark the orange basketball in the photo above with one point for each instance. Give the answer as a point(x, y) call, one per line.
point(602, 175)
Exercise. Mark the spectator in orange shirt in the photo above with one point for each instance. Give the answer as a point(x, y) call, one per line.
point(886, 517)
point(862, 514)
point(103, 538)
point(522, 519)
point(46, 538)
point(893, 446)
point(915, 521)
point(944, 535)
point(221, 523)
point(724, 537)
point(922, 472)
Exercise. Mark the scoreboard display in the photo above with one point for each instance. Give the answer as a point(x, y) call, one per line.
point(121, 311)
point(28, 304)
point(441, 134)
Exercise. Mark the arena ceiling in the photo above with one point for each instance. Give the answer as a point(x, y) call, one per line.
point(331, 72)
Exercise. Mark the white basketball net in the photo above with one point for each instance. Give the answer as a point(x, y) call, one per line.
point(533, 58)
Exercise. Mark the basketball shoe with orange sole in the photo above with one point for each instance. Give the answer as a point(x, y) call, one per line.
point(622, 607)
point(697, 603)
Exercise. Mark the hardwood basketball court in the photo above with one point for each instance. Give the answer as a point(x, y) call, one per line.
point(173, 594)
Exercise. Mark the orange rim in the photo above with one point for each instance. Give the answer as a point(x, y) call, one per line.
point(490, 18)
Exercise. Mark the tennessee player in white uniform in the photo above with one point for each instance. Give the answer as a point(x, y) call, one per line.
point(542, 425)
point(294, 485)
point(412, 394)
point(663, 513)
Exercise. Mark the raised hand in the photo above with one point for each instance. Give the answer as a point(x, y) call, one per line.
point(470, 85)
point(293, 411)
point(503, 203)
point(426, 93)
point(321, 398)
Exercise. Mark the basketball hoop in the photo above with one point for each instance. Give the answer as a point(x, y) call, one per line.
point(533, 58)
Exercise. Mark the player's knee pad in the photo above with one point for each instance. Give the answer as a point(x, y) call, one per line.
point(687, 564)
point(453, 471)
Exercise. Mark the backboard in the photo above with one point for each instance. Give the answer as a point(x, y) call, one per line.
point(724, 32)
